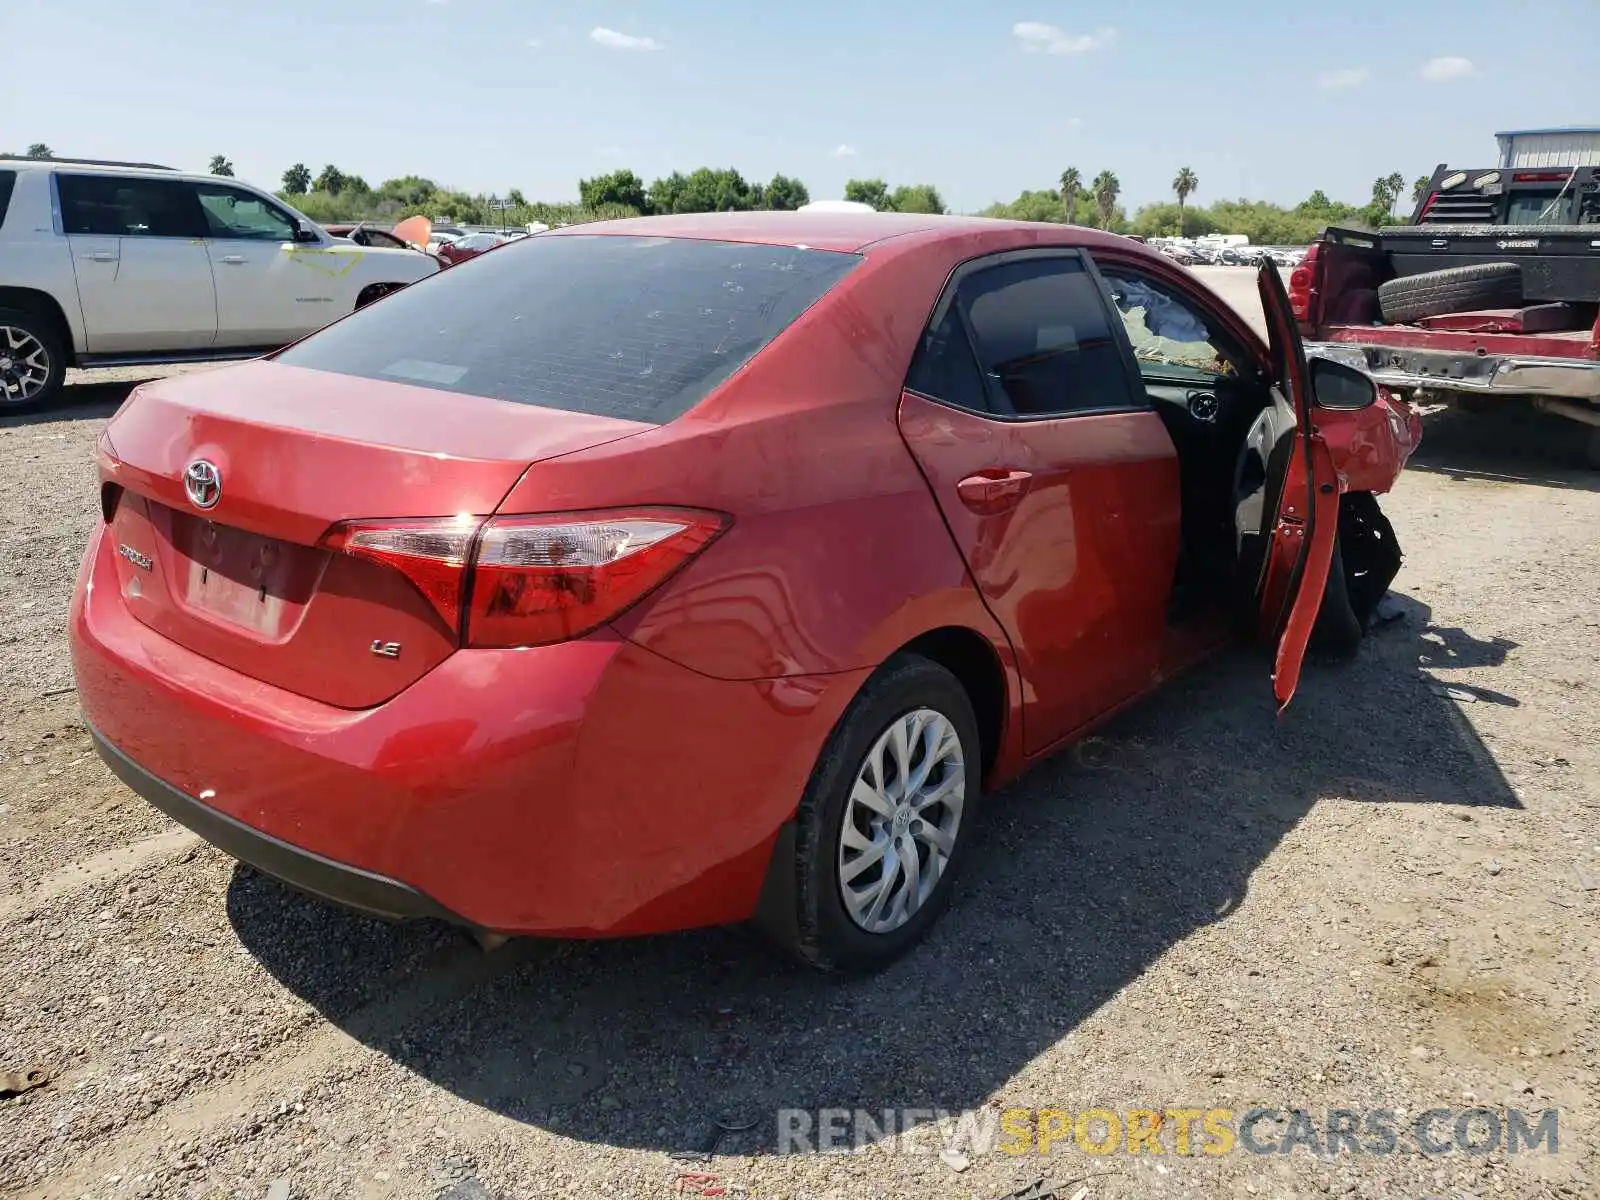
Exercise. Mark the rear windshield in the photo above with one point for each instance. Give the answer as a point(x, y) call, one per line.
point(641, 328)
point(8, 180)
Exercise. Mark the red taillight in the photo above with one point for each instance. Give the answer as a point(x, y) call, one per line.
point(1302, 280)
point(433, 555)
point(530, 581)
point(545, 579)
point(1541, 177)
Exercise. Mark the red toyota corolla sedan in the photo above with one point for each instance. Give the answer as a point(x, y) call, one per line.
point(694, 570)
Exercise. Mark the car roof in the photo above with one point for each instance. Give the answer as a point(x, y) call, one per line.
point(846, 231)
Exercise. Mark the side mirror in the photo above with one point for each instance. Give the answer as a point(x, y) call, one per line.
point(302, 234)
point(1336, 386)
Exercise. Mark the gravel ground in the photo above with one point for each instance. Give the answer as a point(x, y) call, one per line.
point(1386, 899)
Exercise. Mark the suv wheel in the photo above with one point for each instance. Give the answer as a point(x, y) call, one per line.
point(32, 362)
point(885, 820)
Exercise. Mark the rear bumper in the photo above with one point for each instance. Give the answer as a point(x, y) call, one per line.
point(1410, 370)
point(591, 788)
point(322, 877)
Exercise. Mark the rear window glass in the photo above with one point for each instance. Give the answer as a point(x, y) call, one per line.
point(640, 328)
point(8, 180)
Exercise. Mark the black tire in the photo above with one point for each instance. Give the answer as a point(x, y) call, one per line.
point(43, 330)
point(1456, 289)
point(1591, 449)
point(376, 291)
point(1336, 637)
point(817, 928)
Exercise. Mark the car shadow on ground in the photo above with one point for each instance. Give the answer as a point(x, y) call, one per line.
point(1507, 443)
point(1084, 874)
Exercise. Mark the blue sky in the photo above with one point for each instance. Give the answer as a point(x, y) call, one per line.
point(1268, 102)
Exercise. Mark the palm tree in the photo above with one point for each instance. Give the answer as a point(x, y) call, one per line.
point(1107, 187)
point(1071, 185)
point(1395, 184)
point(1419, 189)
point(1185, 183)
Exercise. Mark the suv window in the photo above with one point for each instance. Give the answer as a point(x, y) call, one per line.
point(1170, 336)
point(641, 328)
point(8, 181)
point(234, 213)
point(1043, 338)
point(115, 206)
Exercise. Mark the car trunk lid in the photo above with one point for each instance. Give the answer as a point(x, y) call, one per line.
point(245, 582)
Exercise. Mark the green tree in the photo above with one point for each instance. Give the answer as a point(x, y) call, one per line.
point(868, 191)
point(1107, 187)
point(1071, 185)
point(620, 187)
point(331, 181)
point(1184, 184)
point(40, 150)
point(220, 165)
point(1419, 188)
point(667, 195)
point(786, 194)
point(917, 198)
point(719, 190)
point(297, 180)
point(1030, 206)
point(516, 198)
point(355, 185)
point(411, 191)
point(1165, 219)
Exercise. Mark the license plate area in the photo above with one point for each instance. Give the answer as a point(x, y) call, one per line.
point(246, 579)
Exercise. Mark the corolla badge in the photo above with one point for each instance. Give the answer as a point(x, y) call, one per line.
point(202, 483)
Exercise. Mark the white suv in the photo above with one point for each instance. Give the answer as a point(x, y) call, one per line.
point(118, 264)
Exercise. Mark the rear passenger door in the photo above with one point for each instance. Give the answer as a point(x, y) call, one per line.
point(1058, 482)
point(139, 254)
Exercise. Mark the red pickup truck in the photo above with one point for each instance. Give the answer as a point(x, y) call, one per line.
point(1492, 294)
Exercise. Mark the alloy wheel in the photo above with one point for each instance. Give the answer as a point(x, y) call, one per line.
point(901, 820)
point(24, 365)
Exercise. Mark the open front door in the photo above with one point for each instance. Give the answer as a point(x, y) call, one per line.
point(1299, 516)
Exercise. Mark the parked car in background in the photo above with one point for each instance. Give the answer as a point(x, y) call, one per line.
point(363, 234)
point(662, 574)
point(112, 264)
point(470, 246)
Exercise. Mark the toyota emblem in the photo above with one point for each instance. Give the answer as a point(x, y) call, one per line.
point(202, 483)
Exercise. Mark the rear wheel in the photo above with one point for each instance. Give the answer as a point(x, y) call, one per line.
point(884, 821)
point(32, 361)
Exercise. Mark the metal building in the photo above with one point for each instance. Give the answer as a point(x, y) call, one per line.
point(1578, 146)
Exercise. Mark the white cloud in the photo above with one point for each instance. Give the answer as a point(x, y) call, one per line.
point(1038, 38)
point(1348, 77)
point(613, 40)
point(844, 150)
point(534, 43)
point(1442, 70)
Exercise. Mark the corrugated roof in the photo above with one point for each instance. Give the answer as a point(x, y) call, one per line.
point(1568, 129)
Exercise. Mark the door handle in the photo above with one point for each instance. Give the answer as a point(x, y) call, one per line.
point(100, 256)
point(994, 489)
point(233, 258)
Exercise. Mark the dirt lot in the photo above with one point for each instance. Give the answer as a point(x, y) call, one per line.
point(1386, 899)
